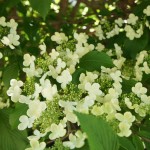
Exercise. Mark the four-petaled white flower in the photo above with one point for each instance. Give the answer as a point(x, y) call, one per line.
point(57, 131)
point(132, 19)
point(36, 108)
point(59, 37)
point(93, 90)
point(138, 89)
point(75, 141)
point(35, 145)
point(42, 48)
point(28, 59)
point(25, 122)
point(65, 78)
point(147, 10)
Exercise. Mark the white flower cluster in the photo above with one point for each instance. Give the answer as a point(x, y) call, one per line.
point(97, 92)
point(12, 38)
point(129, 26)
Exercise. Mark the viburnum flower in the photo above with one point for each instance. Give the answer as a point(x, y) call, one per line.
point(59, 38)
point(116, 76)
point(3, 21)
point(54, 54)
point(132, 19)
point(57, 131)
point(11, 40)
point(25, 122)
point(119, 21)
point(37, 135)
point(12, 24)
point(138, 89)
point(81, 37)
point(60, 65)
point(15, 91)
point(48, 90)
point(65, 78)
point(35, 145)
point(28, 59)
point(75, 141)
point(36, 108)
point(100, 47)
point(99, 32)
point(42, 48)
point(147, 10)
point(93, 90)
point(125, 123)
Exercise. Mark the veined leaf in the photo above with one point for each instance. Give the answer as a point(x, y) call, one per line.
point(100, 134)
point(10, 139)
point(19, 110)
point(94, 60)
point(41, 6)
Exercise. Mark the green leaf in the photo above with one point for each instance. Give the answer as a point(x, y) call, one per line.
point(76, 75)
point(138, 143)
point(10, 139)
point(127, 85)
point(10, 72)
point(94, 60)
point(132, 47)
point(19, 110)
point(126, 143)
point(100, 134)
point(41, 6)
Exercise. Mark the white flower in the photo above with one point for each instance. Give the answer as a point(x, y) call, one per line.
point(25, 122)
point(139, 89)
point(93, 89)
point(28, 59)
point(99, 32)
point(59, 38)
point(127, 117)
point(54, 54)
point(24, 99)
point(116, 76)
point(124, 129)
point(15, 91)
point(147, 10)
point(11, 40)
point(35, 145)
point(3, 21)
point(48, 91)
point(36, 108)
point(67, 105)
point(132, 19)
point(119, 21)
point(75, 141)
point(65, 78)
point(37, 135)
point(1, 55)
point(60, 65)
point(125, 123)
point(57, 131)
point(12, 24)
point(100, 47)
point(130, 33)
point(42, 48)
point(81, 37)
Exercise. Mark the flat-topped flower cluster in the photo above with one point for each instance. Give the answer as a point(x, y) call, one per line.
point(56, 86)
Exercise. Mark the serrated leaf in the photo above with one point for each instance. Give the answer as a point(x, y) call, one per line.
point(94, 60)
point(19, 110)
point(10, 139)
point(100, 134)
point(41, 6)
point(10, 72)
point(126, 143)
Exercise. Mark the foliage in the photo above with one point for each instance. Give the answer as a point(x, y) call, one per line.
point(74, 74)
